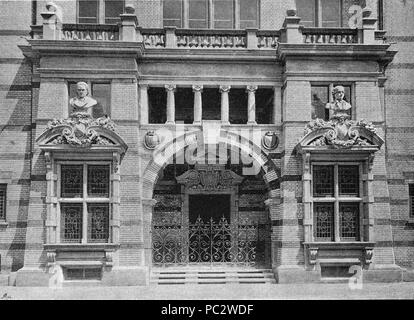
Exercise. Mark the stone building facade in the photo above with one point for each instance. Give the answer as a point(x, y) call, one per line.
point(210, 151)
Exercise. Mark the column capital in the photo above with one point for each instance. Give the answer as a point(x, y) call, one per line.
point(224, 88)
point(170, 87)
point(197, 88)
point(143, 85)
point(251, 88)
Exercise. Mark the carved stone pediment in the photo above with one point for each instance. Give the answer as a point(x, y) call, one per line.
point(209, 178)
point(340, 134)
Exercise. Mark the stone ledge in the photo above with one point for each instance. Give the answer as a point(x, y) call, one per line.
point(386, 273)
point(408, 275)
point(295, 274)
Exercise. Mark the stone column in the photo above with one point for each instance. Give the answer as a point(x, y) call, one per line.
point(147, 208)
point(115, 222)
point(225, 104)
point(143, 103)
point(251, 104)
point(129, 22)
point(51, 201)
point(277, 105)
point(198, 104)
point(170, 103)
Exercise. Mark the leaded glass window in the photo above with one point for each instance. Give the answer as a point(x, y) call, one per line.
point(320, 13)
point(3, 199)
point(98, 223)
point(71, 222)
point(336, 202)
point(324, 221)
point(411, 198)
point(100, 11)
point(84, 202)
point(323, 182)
point(348, 221)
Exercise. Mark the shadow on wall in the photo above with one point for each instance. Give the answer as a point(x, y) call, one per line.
point(19, 97)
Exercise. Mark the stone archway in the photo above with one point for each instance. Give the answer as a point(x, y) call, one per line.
point(226, 185)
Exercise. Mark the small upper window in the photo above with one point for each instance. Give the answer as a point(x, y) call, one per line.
point(320, 13)
point(100, 11)
point(3, 199)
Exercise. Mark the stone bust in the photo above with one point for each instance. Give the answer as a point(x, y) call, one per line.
point(82, 104)
point(339, 108)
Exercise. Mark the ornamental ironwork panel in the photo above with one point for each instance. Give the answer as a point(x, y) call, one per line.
point(71, 222)
point(348, 220)
point(323, 181)
point(212, 242)
point(98, 222)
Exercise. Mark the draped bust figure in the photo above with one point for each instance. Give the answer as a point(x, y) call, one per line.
point(339, 108)
point(82, 104)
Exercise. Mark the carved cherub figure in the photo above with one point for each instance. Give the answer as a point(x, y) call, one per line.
point(339, 108)
point(82, 104)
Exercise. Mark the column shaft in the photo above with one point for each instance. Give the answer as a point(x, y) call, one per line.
point(198, 104)
point(170, 103)
point(251, 105)
point(225, 104)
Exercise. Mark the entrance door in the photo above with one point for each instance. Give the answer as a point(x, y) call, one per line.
point(209, 229)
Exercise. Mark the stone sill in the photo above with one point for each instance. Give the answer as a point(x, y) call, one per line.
point(81, 247)
point(3, 223)
point(339, 245)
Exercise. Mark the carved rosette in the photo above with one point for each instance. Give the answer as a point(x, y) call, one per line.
point(80, 130)
point(340, 133)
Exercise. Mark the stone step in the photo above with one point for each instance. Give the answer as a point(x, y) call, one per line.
point(211, 281)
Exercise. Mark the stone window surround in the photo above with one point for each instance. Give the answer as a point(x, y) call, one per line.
point(210, 14)
point(83, 200)
point(338, 198)
point(5, 179)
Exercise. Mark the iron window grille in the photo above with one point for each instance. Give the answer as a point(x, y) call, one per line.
point(337, 202)
point(84, 202)
point(3, 201)
point(99, 11)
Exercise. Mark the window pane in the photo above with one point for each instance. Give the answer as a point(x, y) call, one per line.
point(264, 105)
point(98, 181)
point(349, 221)
point(248, 14)
point(323, 181)
point(411, 198)
point(88, 11)
point(71, 222)
point(184, 105)
point(3, 198)
point(223, 14)
point(172, 13)
point(101, 92)
point(113, 8)
point(237, 106)
point(348, 177)
point(320, 97)
point(331, 13)
point(198, 13)
point(211, 98)
point(307, 12)
point(98, 222)
point(323, 221)
point(157, 105)
point(71, 182)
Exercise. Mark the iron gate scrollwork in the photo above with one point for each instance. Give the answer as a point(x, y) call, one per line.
point(243, 242)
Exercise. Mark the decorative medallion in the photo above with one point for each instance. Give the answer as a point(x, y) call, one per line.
point(270, 141)
point(151, 140)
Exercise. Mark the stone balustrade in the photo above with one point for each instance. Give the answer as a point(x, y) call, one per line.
point(153, 38)
point(90, 32)
point(210, 39)
point(330, 36)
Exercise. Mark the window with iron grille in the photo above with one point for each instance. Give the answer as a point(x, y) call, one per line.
point(100, 11)
point(337, 202)
point(411, 199)
point(3, 199)
point(84, 199)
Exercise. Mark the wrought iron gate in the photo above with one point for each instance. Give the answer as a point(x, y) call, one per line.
point(212, 242)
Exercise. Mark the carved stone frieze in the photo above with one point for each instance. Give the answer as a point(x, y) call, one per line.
point(209, 178)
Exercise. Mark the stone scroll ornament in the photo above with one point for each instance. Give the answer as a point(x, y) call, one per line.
point(339, 131)
point(80, 129)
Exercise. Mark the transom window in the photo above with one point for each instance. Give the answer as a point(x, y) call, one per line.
point(214, 14)
point(337, 202)
point(84, 199)
point(3, 201)
point(320, 13)
point(321, 94)
point(100, 11)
